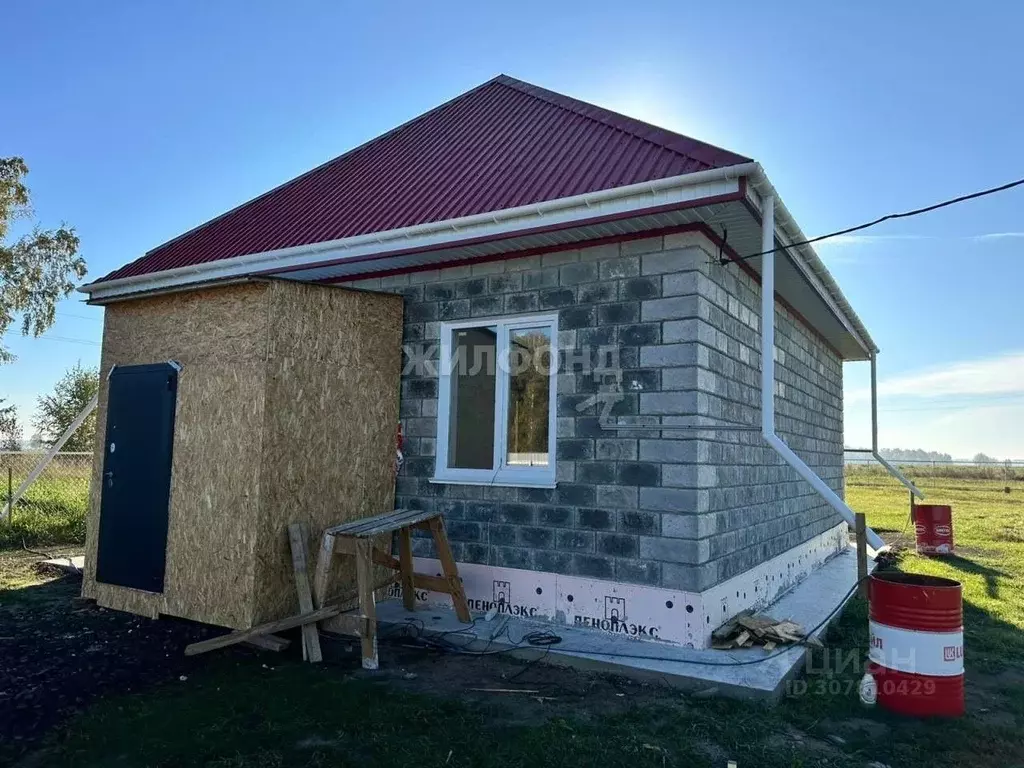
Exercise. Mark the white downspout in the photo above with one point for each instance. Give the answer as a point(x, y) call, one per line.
point(874, 435)
point(768, 374)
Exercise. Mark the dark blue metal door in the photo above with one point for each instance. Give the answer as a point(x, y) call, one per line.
point(137, 476)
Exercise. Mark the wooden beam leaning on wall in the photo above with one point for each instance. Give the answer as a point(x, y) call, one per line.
point(298, 536)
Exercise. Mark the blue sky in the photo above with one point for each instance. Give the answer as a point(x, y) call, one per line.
point(141, 120)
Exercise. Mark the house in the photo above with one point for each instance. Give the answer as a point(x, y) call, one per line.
point(599, 445)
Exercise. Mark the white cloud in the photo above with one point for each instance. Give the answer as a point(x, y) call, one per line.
point(842, 241)
point(859, 241)
point(999, 375)
point(997, 236)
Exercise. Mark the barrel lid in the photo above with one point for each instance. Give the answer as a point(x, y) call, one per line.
point(899, 578)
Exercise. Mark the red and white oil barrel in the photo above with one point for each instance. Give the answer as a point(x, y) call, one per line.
point(916, 645)
point(933, 526)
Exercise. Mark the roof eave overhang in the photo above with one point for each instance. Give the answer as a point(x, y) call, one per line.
point(496, 224)
point(709, 200)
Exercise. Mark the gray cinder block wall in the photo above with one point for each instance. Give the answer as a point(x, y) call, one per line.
point(632, 506)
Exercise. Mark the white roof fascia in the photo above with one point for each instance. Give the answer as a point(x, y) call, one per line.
point(620, 200)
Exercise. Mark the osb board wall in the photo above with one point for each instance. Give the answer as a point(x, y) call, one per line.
point(220, 338)
point(329, 426)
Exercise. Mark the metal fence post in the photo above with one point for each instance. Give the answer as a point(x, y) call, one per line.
point(10, 491)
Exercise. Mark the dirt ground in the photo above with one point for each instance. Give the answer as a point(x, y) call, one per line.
point(59, 653)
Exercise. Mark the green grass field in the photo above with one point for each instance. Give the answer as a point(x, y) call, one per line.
point(51, 512)
point(276, 711)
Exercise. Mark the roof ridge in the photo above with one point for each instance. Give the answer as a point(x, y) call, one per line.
point(641, 129)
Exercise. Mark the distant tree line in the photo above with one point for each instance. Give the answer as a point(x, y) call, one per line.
point(913, 454)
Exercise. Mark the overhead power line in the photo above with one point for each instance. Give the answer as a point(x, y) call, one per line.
point(64, 339)
point(890, 217)
point(98, 317)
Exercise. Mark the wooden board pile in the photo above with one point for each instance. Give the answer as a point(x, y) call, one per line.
point(746, 629)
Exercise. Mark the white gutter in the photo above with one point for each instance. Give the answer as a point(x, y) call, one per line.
point(874, 434)
point(690, 186)
point(768, 375)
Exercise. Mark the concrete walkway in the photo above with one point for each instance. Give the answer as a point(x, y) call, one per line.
point(67, 564)
point(741, 673)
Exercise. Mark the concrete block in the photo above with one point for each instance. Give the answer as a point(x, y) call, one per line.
point(581, 272)
point(617, 496)
point(664, 550)
point(669, 355)
point(558, 258)
point(672, 308)
point(668, 403)
point(616, 269)
point(668, 450)
point(669, 500)
point(642, 245)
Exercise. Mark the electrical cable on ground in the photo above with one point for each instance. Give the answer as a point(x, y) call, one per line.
point(547, 638)
point(887, 217)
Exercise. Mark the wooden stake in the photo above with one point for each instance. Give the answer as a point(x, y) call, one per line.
point(405, 556)
point(323, 570)
point(367, 606)
point(451, 571)
point(861, 531)
point(298, 535)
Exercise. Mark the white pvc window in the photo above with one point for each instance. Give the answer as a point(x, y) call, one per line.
point(496, 402)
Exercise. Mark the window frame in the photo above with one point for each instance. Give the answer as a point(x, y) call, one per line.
point(502, 473)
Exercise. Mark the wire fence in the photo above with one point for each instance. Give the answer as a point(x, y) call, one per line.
point(1007, 469)
point(52, 510)
point(866, 458)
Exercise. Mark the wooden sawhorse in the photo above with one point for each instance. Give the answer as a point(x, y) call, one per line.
point(356, 538)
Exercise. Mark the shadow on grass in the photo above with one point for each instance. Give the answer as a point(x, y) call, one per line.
point(991, 575)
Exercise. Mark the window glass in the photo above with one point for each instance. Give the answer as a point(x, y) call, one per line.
point(529, 367)
point(471, 430)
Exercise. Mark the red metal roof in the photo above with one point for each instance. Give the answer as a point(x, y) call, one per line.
point(503, 144)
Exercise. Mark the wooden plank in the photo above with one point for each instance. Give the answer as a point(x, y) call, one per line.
point(268, 642)
point(386, 523)
point(298, 535)
point(347, 546)
point(861, 531)
point(451, 571)
point(386, 559)
point(323, 570)
point(263, 629)
point(406, 568)
point(433, 583)
point(726, 631)
point(364, 579)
